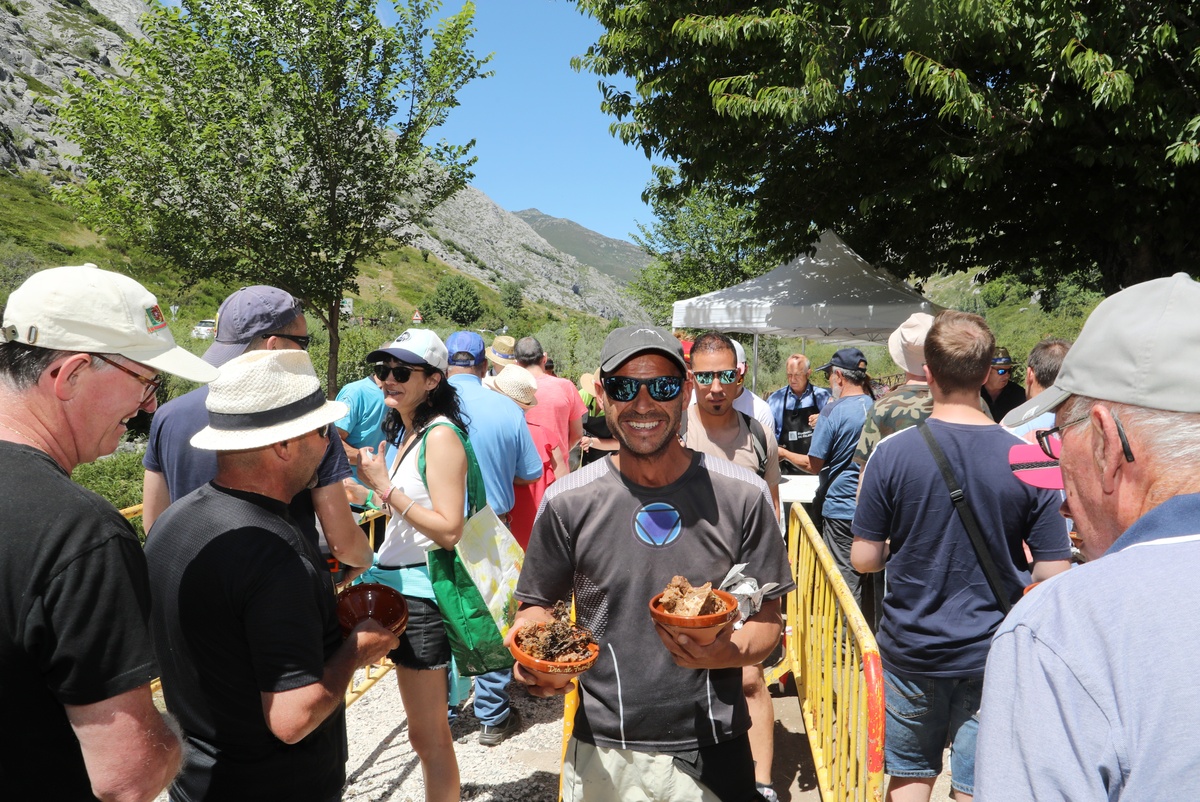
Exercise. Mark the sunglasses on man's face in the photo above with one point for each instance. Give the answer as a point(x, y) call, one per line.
point(626, 388)
point(402, 373)
point(705, 377)
point(301, 340)
point(1002, 371)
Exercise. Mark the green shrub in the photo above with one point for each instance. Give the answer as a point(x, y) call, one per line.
point(117, 478)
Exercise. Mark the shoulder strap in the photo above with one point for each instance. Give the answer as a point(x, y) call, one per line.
point(476, 492)
point(758, 437)
point(968, 518)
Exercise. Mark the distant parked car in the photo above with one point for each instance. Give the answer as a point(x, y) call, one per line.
point(204, 330)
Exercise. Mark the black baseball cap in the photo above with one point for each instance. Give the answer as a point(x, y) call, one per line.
point(624, 344)
point(846, 359)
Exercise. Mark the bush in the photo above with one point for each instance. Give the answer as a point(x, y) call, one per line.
point(455, 299)
point(117, 478)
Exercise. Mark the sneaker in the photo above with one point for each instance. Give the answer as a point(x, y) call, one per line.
point(492, 735)
point(767, 793)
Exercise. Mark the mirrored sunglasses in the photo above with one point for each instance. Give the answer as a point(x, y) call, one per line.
point(705, 377)
point(626, 388)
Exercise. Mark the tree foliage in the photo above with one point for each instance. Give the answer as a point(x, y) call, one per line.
point(701, 242)
point(1009, 134)
point(278, 143)
point(455, 299)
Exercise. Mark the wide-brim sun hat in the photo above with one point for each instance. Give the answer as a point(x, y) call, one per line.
point(515, 382)
point(265, 397)
point(906, 345)
point(415, 347)
point(83, 308)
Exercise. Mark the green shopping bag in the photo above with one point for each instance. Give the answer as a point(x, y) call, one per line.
point(474, 583)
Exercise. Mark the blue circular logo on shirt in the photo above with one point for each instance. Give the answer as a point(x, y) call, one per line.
point(657, 524)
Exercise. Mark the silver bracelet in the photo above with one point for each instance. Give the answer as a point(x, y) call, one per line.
point(404, 514)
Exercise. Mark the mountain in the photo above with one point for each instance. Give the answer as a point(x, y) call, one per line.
point(613, 257)
point(43, 42)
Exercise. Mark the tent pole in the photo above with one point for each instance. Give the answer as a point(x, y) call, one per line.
point(754, 379)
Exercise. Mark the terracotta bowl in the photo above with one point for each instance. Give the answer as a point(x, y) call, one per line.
point(556, 675)
point(357, 603)
point(702, 629)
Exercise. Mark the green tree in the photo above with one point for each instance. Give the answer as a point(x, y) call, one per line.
point(701, 242)
point(512, 295)
point(455, 299)
point(1008, 134)
point(278, 143)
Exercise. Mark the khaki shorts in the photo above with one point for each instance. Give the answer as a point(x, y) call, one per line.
point(597, 774)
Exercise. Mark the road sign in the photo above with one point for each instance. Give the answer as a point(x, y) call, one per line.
point(417, 316)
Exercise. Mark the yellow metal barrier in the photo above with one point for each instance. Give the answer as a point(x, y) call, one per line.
point(370, 674)
point(839, 677)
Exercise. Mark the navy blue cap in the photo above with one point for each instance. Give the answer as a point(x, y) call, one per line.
point(846, 359)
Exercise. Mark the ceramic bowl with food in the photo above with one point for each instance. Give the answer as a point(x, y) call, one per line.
point(359, 602)
point(554, 673)
point(701, 629)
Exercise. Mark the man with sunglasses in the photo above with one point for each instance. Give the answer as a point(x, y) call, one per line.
point(82, 351)
point(1090, 690)
point(1001, 393)
point(715, 427)
point(254, 662)
point(658, 717)
point(257, 318)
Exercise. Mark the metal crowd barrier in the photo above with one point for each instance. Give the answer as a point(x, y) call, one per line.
point(839, 678)
point(364, 678)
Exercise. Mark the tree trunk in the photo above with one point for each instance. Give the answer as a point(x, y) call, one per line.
point(334, 313)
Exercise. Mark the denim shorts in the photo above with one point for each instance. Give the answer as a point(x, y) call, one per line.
point(424, 644)
point(923, 716)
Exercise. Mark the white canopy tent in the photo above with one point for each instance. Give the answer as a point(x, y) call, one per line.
point(832, 295)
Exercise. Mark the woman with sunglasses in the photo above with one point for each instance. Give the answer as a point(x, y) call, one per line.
point(426, 512)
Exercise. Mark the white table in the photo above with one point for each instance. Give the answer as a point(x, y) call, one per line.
point(798, 488)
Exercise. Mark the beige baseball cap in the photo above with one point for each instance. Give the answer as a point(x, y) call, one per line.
point(1133, 350)
point(907, 343)
point(86, 309)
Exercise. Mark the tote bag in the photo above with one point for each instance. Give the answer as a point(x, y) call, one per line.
point(474, 583)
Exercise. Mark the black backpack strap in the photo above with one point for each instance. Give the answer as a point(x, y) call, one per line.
point(968, 519)
point(758, 436)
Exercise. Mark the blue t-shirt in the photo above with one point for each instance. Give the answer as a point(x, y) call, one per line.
point(834, 439)
point(363, 424)
point(939, 612)
point(169, 452)
point(500, 438)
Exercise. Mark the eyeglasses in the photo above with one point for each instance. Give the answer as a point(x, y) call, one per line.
point(402, 373)
point(705, 377)
point(301, 340)
point(1002, 371)
point(152, 385)
point(1051, 439)
point(626, 388)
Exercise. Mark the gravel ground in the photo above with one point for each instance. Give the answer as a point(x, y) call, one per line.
point(383, 767)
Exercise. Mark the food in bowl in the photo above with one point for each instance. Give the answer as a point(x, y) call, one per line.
point(698, 612)
point(556, 650)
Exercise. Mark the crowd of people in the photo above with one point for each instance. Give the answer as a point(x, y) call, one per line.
point(949, 505)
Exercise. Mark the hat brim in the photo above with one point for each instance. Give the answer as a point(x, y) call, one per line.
point(617, 360)
point(210, 439)
point(1048, 400)
point(1031, 465)
point(490, 383)
point(220, 353)
point(408, 357)
point(175, 360)
point(496, 359)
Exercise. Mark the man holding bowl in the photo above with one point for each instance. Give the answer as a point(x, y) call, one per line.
point(658, 715)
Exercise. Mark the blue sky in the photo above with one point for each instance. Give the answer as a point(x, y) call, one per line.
point(540, 137)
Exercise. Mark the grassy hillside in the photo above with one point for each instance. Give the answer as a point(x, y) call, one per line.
point(616, 258)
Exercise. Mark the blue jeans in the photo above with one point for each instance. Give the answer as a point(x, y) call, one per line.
point(923, 715)
point(491, 697)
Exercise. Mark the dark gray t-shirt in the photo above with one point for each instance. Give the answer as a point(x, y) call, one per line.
point(616, 544)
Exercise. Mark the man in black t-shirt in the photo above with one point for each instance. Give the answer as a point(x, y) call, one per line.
point(244, 624)
point(658, 717)
point(80, 354)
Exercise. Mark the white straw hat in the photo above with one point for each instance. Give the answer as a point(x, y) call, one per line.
point(515, 382)
point(86, 309)
point(265, 397)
